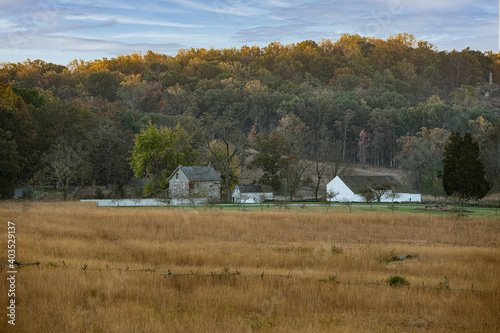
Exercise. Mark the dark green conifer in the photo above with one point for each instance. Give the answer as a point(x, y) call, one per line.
point(463, 171)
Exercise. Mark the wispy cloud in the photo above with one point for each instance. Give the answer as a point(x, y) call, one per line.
point(129, 20)
point(227, 7)
point(72, 43)
point(162, 35)
point(288, 31)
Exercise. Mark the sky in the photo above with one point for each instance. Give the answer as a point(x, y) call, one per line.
point(60, 31)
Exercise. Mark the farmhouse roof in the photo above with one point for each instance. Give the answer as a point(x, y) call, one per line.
point(199, 173)
point(358, 183)
point(254, 188)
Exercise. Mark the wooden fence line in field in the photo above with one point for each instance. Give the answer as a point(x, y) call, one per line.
point(226, 273)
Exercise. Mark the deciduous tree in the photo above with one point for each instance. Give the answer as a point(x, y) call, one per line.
point(421, 155)
point(223, 158)
point(103, 85)
point(109, 158)
point(271, 150)
point(156, 154)
point(9, 165)
point(228, 153)
point(67, 162)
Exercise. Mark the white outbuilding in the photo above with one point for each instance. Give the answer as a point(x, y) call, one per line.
point(252, 193)
point(387, 188)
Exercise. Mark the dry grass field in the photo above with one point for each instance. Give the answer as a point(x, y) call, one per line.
point(240, 271)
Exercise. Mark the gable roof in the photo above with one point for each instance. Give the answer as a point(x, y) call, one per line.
point(198, 173)
point(254, 188)
point(358, 183)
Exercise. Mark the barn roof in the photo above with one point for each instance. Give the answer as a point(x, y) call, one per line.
point(358, 183)
point(254, 188)
point(200, 173)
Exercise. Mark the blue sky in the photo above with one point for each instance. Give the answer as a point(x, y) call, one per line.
point(60, 31)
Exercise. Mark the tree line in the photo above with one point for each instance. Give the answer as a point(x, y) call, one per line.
point(283, 109)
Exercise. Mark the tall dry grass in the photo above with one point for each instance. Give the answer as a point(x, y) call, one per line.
point(307, 272)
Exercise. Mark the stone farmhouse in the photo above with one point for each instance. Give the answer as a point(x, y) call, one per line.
point(194, 182)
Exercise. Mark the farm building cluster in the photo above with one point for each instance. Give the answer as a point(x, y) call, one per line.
point(205, 182)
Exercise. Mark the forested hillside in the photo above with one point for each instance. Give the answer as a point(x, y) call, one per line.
point(318, 105)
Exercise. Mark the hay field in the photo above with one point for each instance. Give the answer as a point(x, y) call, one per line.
point(240, 271)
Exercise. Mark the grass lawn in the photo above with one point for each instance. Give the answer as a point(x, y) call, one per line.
point(417, 208)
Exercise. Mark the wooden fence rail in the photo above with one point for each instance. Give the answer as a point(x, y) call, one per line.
point(225, 273)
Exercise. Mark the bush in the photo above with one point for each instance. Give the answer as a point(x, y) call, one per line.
point(397, 280)
point(337, 250)
point(98, 194)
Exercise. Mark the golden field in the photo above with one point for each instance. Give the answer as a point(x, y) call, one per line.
point(241, 271)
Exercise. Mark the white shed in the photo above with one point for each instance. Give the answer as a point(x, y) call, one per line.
point(252, 193)
point(349, 188)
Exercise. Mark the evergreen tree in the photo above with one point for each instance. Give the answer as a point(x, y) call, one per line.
point(463, 171)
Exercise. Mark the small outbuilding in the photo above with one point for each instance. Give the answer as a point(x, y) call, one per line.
point(387, 188)
point(194, 181)
point(252, 193)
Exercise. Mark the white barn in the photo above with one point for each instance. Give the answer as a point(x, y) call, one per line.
point(252, 193)
point(349, 189)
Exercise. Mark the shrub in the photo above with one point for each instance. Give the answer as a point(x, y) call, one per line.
point(337, 249)
point(98, 194)
point(397, 280)
point(52, 264)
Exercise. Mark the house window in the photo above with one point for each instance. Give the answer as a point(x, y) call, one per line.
point(176, 175)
